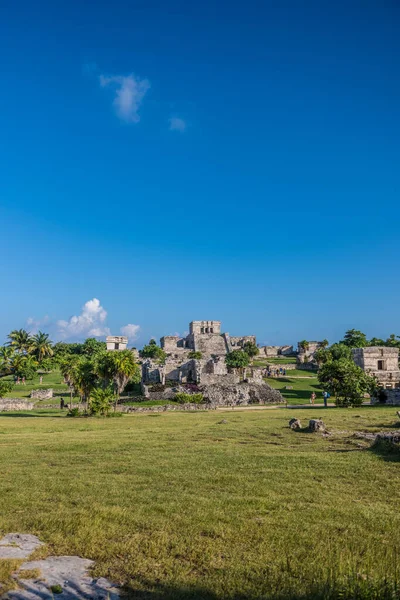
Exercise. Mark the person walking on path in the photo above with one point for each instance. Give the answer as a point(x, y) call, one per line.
point(312, 399)
point(326, 396)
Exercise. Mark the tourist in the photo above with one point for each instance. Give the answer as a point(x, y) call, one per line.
point(312, 399)
point(326, 396)
point(23, 381)
point(284, 372)
point(41, 379)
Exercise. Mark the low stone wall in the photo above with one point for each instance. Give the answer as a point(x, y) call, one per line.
point(166, 407)
point(287, 367)
point(242, 394)
point(42, 394)
point(11, 404)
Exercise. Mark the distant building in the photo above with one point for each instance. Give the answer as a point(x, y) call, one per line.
point(116, 342)
point(307, 356)
point(380, 362)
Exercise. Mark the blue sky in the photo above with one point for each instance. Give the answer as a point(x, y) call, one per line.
point(214, 160)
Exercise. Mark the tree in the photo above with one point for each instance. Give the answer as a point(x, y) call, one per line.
point(101, 401)
point(123, 368)
point(334, 352)
point(237, 359)
point(153, 351)
point(195, 354)
point(354, 338)
point(92, 346)
point(152, 342)
point(392, 342)
point(5, 387)
point(304, 345)
point(324, 343)
point(251, 349)
point(20, 340)
point(69, 370)
point(24, 365)
point(376, 342)
point(346, 381)
point(6, 358)
point(41, 346)
point(84, 378)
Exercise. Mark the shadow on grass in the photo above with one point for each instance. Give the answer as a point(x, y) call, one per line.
point(33, 414)
point(354, 589)
point(386, 451)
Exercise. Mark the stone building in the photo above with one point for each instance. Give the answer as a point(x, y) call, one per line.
point(204, 337)
point(116, 342)
point(380, 362)
point(307, 356)
point(272, 351)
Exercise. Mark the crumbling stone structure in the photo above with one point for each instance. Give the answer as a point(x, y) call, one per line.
point(116, 342)
point(204, 337)
point(42, 394)
point(380, 362)
point(274, 351)
point(307, 356)
point(209, 374)
point(11, 404)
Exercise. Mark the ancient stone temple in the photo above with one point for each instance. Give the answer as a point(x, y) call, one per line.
point(380, 362)
point(205, 337)
point(116, 342)
point(208, 374)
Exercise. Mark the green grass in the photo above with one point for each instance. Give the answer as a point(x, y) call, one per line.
point(302, 389)
point(180, 505)
point(50, 380)
point(261, 361)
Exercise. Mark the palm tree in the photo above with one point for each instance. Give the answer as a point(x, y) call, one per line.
point(20, 340)
point(41, 346)
point(6, 358)
point(124, 369)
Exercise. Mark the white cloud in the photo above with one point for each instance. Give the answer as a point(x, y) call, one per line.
point(177, 124)
point(129, 93)
point(131, 331)
point(34, 325)
point(89, 323)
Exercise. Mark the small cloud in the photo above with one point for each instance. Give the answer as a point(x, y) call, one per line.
point(34, 325)
point(90, 323)
point(129, 93)
point(130, 331)
point(177, 124)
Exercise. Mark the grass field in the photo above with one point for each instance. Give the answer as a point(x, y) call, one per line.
point(180, 505)
point(50, 380)
point(301, 388)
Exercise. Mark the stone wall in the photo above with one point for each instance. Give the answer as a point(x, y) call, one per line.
point(11, 404)
point(390, 397)
point(241, 394)
point(238, 342)
point(271, 351)
point(42, 394)
point(380, 362)
point(173, 344)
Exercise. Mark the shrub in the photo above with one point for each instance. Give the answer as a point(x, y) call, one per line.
point(5, 386)
point(196, 354)
point(183, 398)
point(74, 412)
point(101, 401)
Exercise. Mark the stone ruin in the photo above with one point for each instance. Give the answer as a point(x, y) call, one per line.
point(12, 404)
point(275, 351)
point(306, 357)
point(209, 374)
point(42, 394)
point(383, 364)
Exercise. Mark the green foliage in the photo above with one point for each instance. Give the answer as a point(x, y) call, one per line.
point(20, 340)
point(62, 349)
point(6, 357)
point(5, 387)
point(152, 342)
point(41, 346)
point(48, 364)
point(334, 352)
point(155, 352)
point(355, 339)
point(101, 400)
point(184, 398)
point(304, 345)
point(74, 412)
point(24, 365)
point(237, 359)
point(92, 346)
point(345, 380)
point(251, 349)
point(196, 354)
point(56, 589)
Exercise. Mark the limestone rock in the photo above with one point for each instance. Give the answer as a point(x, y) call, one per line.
point(316, 425)
point(295, 424)
point(42, 394)
point(18, 545)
